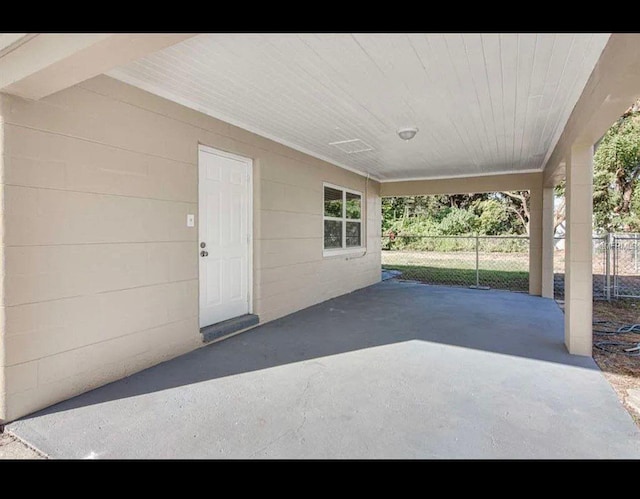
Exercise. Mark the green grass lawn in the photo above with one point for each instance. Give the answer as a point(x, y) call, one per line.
point(513, 280)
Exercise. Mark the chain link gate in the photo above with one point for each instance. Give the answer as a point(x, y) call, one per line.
point(616, 266)
point(625, 265)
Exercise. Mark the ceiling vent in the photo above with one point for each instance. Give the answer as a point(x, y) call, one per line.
point(352, 146)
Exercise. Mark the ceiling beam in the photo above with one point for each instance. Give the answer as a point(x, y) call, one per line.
point(613, 86)
point(462, 185)
point(48, 63)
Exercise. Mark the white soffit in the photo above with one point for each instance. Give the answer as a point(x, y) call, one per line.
point(7, 39)
point(484, 103)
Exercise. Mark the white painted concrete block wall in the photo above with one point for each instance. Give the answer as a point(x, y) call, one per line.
point(101, 272)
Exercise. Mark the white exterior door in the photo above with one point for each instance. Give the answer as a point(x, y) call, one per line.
point(224, 249)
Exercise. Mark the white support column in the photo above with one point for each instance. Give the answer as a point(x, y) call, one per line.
point(547, 241)
point(578, 305)
point(535, 240)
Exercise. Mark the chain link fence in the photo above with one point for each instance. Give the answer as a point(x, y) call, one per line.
point(498, 262)
point(502, 262)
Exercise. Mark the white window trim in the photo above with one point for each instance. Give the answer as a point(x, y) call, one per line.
point(353, 249)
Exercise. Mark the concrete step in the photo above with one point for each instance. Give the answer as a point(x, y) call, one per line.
point(225, 328)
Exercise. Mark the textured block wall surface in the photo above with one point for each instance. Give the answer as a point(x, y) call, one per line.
point(100, 269)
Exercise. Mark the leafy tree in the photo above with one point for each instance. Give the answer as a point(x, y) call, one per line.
point(392, 210)
point(458, 221)
point(492, 213)
point(493, 217)
point(616, 172)
point(517, 202)
point(559, 209)
point(463, 201)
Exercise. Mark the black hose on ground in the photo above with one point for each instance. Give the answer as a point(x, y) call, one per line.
point(623, 347)
point(612, 328)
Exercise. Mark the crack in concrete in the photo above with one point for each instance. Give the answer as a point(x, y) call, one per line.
point(304, 405)
point(303, 395)
point(270, 443)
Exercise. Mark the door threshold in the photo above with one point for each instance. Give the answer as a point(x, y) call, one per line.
point(225, 328)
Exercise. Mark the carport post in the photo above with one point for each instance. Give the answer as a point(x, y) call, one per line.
point(578, 305)
point(536, 227)
point(547, 242)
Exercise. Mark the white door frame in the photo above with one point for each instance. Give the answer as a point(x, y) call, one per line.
point(249, 162)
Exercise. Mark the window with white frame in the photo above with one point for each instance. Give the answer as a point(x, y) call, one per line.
point(342, 218)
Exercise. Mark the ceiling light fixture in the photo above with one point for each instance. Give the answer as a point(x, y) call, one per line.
point(407, 133)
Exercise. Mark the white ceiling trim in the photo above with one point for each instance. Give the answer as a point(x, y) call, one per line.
point(462, 175)
point(120, 75)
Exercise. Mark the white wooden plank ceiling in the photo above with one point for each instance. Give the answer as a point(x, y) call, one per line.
point(484, 103)
point(7, 39)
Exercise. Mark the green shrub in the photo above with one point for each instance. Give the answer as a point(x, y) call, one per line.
point(456, 243)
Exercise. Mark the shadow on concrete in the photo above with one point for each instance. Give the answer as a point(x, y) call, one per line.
point(389, 312)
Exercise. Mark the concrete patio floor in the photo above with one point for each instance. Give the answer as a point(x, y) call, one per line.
point(396, 370)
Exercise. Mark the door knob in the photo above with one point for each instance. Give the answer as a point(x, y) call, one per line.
point(204, 253)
